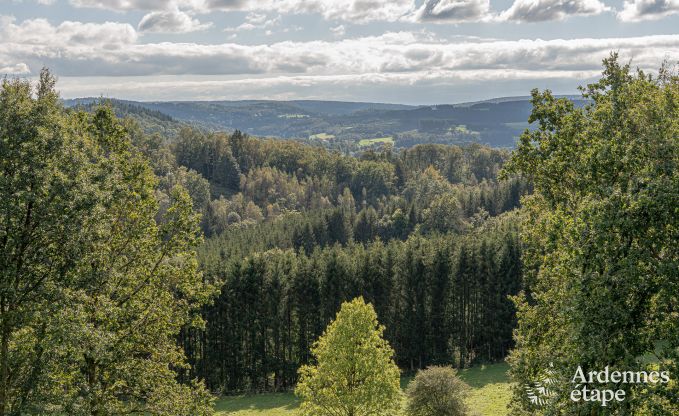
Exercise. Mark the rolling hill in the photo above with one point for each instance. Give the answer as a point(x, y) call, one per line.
point(496, 122)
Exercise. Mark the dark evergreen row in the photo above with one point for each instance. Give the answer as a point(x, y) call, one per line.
point(443, 300)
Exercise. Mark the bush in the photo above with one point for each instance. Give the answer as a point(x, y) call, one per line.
point(437, 391)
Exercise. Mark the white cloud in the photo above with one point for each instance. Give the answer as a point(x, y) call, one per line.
point(338, 31)
point(170, 21)
point(364, 11)
point(43, 2)
point(112, 49)
point(16, 69)
point(72, 35)
point(544, 10)
point(255, 21)
point(357, 11)
point(455, 11)
point(424, 87)
point(124, 5)
point(637, 10)
point(256, 18)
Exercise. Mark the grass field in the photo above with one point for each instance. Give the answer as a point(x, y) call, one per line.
point(370, 142)
point(322, 136)
point(489, 396)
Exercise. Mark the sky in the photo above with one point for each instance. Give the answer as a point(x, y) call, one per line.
point(394, 51)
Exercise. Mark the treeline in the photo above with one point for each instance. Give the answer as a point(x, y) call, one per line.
point(248, 180)
point(443, 300)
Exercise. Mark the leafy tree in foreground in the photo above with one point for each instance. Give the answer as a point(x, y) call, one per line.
point(354, 374)
point(437, 391)
point(601, 248)
point(93, 289)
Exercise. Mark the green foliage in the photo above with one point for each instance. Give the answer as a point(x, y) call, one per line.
point(443, 299)
point(601, 245)
point(150, 122)
point(354, 372)
point(209, 154)
point(437, 391)
point(93, 289)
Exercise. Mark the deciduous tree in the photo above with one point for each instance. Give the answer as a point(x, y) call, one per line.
point(354, 373)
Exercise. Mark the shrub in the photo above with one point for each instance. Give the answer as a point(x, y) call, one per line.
point(437, 391)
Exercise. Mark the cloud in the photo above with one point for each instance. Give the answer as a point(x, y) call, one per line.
point(455, 11)
point(428, 11)
point(112, 49)
point(43, 2)
point(420, 88)
point(338, 31)
point(256, 18)
point(124, 5)
point(356, 11)
point(544, 10)
point(69, 35)
point(255, 21)
point(16, 69)
point(171, 21)
point(637, 10)
point(223, 5)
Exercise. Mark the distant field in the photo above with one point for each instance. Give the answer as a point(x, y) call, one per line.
point(489, 396)
point(370, 142)
point(322, 136)
point(293, 116)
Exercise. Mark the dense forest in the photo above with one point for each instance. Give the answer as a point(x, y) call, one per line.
point(428, 235)
point(147, 272)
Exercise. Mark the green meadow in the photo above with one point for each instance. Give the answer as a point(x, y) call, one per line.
point(370, 142)
point(322, 136)
point(489, 396)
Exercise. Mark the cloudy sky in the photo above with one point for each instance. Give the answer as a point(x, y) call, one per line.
point(401, 51)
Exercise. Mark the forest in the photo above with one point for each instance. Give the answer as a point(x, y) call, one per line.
point(428, 235)
point(148, 272)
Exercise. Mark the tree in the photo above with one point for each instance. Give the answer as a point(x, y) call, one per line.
point(437, 391)
point(601, 247)
point(354, 374)
point(444, 214)
point(93, 289)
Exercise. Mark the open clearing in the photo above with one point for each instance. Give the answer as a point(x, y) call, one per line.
point(489, 396)
point(322, 136)
point(370, 142)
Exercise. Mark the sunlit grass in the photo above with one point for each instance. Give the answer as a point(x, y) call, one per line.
point(322, 136)
point(489, 396)
point(370, 142)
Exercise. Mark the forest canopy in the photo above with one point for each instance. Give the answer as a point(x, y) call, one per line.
point(146, 272)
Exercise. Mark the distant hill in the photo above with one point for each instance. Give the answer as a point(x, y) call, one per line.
point(151, 121)
point(496, 122)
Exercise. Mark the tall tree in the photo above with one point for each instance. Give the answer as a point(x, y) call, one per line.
point(94, 290)
point(354, 373)
point(601, 249)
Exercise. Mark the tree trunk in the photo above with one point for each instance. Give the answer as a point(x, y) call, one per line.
point(4, 367)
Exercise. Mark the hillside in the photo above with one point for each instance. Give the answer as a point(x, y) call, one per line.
point(353, 125)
